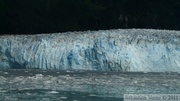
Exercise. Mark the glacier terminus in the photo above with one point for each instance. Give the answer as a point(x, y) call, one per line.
point(126, 50)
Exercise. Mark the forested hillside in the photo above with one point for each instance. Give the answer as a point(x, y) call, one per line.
point(50, 16)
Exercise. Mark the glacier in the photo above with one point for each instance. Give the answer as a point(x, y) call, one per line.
point(126, 50)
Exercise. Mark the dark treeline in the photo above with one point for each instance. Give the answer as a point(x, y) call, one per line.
point(49, 16)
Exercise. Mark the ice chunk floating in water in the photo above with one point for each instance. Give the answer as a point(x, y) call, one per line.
point(106, 50)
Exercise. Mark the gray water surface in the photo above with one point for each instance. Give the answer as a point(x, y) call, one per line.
point(53, 85)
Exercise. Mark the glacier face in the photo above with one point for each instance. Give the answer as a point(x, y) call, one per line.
point(134, 50)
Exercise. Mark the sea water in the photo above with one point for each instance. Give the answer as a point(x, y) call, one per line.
point(55, 85)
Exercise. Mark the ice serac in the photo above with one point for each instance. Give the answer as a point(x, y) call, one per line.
point(135, 50)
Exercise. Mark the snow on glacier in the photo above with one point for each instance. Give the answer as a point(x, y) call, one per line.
point(134, 50)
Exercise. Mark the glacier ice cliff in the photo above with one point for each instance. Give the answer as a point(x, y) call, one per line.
point(134, 50)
